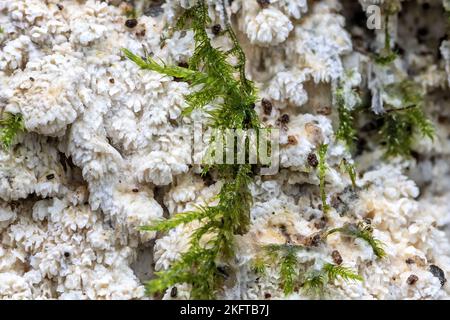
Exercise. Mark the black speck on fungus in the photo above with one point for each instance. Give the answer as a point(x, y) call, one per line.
point(216, 29)
point(50, 176)
point(174, 292)
point(438, 273)
point(131, 23)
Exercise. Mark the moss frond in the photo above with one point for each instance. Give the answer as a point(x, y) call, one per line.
point(387, 56)
point(286, 256)
point(316, 282)
point(351, 171)
point(346, 130)
point(364, 232)
point(288, 271)
point(399, 125)
point(213, 81)
point(259, 266)
point(178, 219)
point(322, 170)
point(10, 126)
point(334, 272)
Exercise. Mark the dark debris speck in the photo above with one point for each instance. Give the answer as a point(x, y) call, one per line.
point(131, 23)
point(438, 273)
point(284, 119)
point(263, 3)
point(312, 160)
point(412, 279)
point(337, 258)
point(174, 292)
point(267, 106)
point(216, 29)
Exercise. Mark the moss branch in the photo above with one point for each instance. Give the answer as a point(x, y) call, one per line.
point(322, 170)
point(10, 126)
point(214, 81)
point(361, 231)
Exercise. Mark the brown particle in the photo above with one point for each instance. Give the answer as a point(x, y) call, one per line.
point(284, 118)
point(216, 29)
point(267, 106)
point(66, 254)
point(131, 23)
point(410, 261)
point(325, 110)
point(421, 262)
point(135, 190)
point(312, 160)
point(31, 79)
point(412, 279)
point(183, 65)
point(50, 176)
point(111, 80)
point(321, 223)
point(337, 258)
point(267, 295)
point(314, 240)
point(60, 6)
point(292, 140)
point(141, 33)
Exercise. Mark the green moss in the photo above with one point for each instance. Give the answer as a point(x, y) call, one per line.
point(322, 170)
point(346, 131)
point(288, 271)
point(361, 231)
point(351, 171)
point(399, 125)
point(214, 81)
point(10, 126)
point(386, 56)
point(316, 281)
point(286, 257)
point(259, 266)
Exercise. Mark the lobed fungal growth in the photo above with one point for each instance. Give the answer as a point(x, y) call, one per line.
point(100, 198)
